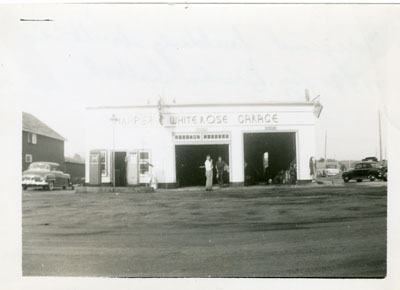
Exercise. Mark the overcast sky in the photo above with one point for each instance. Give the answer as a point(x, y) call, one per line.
point(93, 55)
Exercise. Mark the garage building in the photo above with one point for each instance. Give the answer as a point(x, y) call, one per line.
point(168, 144)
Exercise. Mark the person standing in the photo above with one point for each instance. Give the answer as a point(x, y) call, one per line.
point(208, 164)
point(220, 171)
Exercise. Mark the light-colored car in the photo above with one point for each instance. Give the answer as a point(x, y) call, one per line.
point(45, 175)
point(332, 170)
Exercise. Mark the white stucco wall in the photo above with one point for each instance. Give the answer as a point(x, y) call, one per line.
point(139, 128)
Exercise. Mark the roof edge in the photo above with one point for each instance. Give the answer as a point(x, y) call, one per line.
point(38, 133)
point(202, 105)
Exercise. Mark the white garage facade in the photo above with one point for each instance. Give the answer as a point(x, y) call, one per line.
point(167, 143)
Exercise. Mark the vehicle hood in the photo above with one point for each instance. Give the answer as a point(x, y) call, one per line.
point(35, 173)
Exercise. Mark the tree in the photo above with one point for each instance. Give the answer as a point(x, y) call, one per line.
point(78, 157)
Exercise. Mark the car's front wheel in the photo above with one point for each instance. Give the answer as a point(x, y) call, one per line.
point(371, 178)
point(24, 187)
point(346, 179)
point(67, 184)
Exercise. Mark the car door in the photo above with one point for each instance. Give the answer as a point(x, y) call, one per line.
point(366, 170)
point(358, 170)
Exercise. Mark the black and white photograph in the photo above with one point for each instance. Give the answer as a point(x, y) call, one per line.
point(202, 141)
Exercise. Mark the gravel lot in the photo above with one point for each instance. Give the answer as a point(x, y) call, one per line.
point(336, 230)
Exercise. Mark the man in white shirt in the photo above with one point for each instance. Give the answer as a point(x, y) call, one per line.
point(208, 164)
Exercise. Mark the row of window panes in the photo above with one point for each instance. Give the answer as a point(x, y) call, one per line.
point(197, 137)
point(187, 137)
point(216, 136)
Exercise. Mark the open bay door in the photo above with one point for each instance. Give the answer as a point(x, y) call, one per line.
point(132, 168)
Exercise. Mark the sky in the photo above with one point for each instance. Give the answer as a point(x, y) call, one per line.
point(92, 55)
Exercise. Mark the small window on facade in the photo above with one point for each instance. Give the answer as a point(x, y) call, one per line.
point(144, 159)
point(144, 155)
point(103, 160)
point(144, 168)
point(28, 158)
point(32, 138)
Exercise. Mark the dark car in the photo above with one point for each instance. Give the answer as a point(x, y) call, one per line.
point(384, 173)
point(363, 170)
point(45, 175)
point(373, 159)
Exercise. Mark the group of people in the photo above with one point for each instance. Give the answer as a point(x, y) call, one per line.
point(220, 168)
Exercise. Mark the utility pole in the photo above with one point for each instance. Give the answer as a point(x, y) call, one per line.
point(326, 138)
point(380, 136)
point(114, 119)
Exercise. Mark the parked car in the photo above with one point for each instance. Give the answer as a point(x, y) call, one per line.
point(384, 173)
point(363, 170)
point(331, 170)
point(372, 158)
point(45, 175)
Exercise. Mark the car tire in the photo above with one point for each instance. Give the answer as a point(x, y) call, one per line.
point(65, 186)
point(50, 187)
point(359, 180)
point(371, 178)
point(24, 187)
point(346, 179)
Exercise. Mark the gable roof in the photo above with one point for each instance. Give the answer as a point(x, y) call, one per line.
point(32, 124)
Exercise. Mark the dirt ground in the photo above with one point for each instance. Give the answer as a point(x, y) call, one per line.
point(336, 230)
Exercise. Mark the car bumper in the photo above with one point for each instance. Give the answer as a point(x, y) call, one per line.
point(332, 173)
point(34, 183)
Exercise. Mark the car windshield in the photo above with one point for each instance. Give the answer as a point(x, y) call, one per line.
point(331, 166)
point(40, 166)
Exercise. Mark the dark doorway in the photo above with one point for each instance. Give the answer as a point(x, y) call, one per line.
point(120, 169)
point(190, 162)
point(269, 157)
